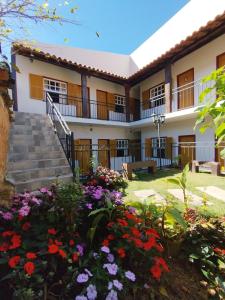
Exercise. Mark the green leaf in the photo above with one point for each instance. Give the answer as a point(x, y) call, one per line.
point(94, 212)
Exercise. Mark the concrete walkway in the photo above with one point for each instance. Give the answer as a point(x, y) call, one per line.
point(150, 195)
point(213, 191)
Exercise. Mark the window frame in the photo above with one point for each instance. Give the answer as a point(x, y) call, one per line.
point(155, 89)
point(155, 150)
point(124, 148)
point(121, 103)
point(61, 92)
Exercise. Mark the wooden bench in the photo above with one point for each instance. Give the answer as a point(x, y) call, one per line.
point(128, 168)
point(213, 167)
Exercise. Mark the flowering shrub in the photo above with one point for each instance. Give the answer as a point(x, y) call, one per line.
point(107, 178)
point(45, 249)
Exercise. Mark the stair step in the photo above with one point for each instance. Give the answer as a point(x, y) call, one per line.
point(35, 184)
point(18, 149)
point(28, 174)
point(14, 157)
point(36, 163)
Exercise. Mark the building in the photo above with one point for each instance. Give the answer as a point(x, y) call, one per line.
point(108, 100)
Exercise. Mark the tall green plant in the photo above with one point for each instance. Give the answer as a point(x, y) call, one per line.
point(182, 182)
point(212, 113)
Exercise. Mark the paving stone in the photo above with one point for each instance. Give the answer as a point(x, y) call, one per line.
point(193, 199)
point(213, 191)
point(150, 195)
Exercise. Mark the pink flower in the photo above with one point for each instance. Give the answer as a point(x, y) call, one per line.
point(24, 211)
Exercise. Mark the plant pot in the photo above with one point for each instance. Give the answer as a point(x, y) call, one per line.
point(174, 247)
point(4, 74)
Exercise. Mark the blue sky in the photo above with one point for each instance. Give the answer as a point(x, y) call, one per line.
point(123, 24)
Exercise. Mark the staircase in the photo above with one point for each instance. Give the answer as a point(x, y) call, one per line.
point(36, 158)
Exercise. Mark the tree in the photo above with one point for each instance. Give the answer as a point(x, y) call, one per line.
point(16, 14)
point(212, 113)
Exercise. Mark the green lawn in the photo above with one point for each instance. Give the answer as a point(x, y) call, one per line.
point(159, 184)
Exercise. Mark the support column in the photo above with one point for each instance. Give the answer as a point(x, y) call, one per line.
point(127, 95)
point(168, 88)
point(84, 95)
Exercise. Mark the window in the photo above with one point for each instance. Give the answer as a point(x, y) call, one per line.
point(56, 89)
point(122, 148)
point(120, 104)
point(155, 147)
point(157, 95)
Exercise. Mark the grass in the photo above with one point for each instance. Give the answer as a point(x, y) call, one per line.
point(159, 184)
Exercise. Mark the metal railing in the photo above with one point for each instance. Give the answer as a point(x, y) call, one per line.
point(62, 130)
point(73, 107)
point(154, 105)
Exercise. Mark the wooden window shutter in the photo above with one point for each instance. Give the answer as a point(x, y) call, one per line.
point(168, 149)
point(76, 149)
point(111, 101)
point(36, 87)
point(113, 144)
point(148, 147)
point(74, 97)
point(145, 99)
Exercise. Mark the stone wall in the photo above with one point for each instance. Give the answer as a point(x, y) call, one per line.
point(6, 188)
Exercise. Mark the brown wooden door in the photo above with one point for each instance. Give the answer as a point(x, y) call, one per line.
point(185, 94)
point(103, 153)
point(83, 155)
point(220, 60)
point(186, 149)
point(135, 149)
point(102, 105)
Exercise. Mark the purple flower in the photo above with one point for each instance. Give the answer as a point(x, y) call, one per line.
point(118, 284)
point(81, 278)
point(105, 249)
point(7, 215)
point(111, 268)
point(112, 295)
point(95, 255)
point(24, 211)
point(110, 285)
point(89, 205)
point(91, 292)
point(98, 193)
point(110, 258)
point(81, 297)
point(131, 209)
point(80, 249)
point(130, 275)
point(36, 201)
point(44, 190)
point(88, 272)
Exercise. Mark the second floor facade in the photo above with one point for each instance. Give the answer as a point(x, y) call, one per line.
point(84, 98)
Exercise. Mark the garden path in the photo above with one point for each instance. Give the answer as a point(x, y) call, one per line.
point(193, 199)
point(213, 191)
point(149, 194)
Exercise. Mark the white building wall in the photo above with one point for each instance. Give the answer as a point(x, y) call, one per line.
point(26, 66)
point(204, 142)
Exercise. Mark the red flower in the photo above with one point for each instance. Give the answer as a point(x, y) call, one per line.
point(219, 251)
point(4, 247)
point(8, 233)
point(20, 218)
point(150, 243)
point(105, 243)
point(31, 255)
point(159, 247)
point(71, 243)
point(138, 243)
point(135, 231)
point(122, 222)
point(29, 267)
point(16, 241)
point(161, 262)
point(52, 249)
point(110, 224)
point(152, 231)
point(111, 237)
point(13, 261)
point(62, 253)
point(52, 231)
point(75, 256)
point(26, 226)
point(121, 252)
point(156, 272)
point(58, 243)
point(126, 236)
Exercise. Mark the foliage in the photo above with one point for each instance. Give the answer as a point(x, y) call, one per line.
point(205, 246)
point(212, 114)
point(181, 181)
point(107, 178)
point(23, 11)
point(46, 250)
